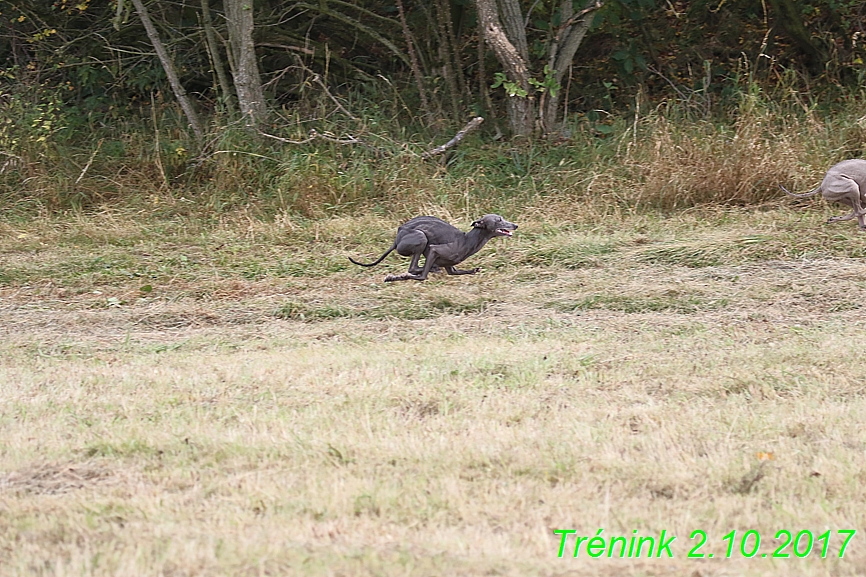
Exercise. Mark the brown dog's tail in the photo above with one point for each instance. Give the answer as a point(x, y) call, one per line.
point(804, 195)
point(377, 261)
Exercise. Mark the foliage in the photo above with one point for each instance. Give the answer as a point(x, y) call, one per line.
point(97, 55)
point(548, 84)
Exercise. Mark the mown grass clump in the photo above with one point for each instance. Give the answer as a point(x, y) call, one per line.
point(708, 250)
point(684, 304)
point(570, 255)
point(416, 308)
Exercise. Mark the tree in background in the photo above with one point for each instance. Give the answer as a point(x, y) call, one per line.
point(426, 62)
point(243, 61)
point(168, 66)
point(504, 27)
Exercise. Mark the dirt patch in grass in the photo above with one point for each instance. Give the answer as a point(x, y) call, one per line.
point(55, 478)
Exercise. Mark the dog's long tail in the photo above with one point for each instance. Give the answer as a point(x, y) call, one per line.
point(380, 259)
point(804, 195)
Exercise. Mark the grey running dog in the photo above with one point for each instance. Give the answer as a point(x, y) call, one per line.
point(846, 183)
point(441, 244)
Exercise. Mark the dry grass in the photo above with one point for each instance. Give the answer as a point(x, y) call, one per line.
point(701, 163)
point(665, 160)
point(628, 375)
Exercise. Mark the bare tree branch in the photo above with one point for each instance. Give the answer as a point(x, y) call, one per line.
point(170, 71)
point(313, 136)
point(216, 60)
point(371, 32)
point(416, 69)
point(565, 25)
point(89, 162)
point(308, 51)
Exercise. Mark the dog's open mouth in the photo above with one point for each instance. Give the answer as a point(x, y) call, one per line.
point(503, 232)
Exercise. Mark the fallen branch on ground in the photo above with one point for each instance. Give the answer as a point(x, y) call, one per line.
point(470, 126)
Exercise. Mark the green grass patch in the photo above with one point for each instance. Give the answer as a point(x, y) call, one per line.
point(571, 255)
point(684, 304)
point(786, 244)
point(416, 308)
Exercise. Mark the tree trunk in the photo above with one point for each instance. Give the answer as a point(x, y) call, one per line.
point(214, 50)
point(443, 21)
point(168, 66)
point(416, 68)
point(248, 83)
point(454, 47)
point(515, 30)
point(483, 86)
point(521, 113)
point(563, 47)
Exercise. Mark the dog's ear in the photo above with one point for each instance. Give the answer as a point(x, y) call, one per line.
point(477, 224)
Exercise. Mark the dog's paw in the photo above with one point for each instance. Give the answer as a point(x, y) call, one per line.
point(476, 270)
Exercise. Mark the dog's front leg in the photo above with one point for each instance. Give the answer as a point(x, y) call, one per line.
point(429, 264)
point(415, 268)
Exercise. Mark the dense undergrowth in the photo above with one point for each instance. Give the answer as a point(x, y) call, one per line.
point(655, 156)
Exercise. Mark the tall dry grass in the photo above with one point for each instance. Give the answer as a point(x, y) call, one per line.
point(668, 161)
point(663, 158)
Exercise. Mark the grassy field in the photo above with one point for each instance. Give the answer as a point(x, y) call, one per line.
point(238, 399)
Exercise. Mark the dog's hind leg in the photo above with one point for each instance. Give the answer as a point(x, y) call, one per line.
point(452, 270)
point(429, 265)
point(415, 243)
point(859, 208)
point(861, 218)
point(404, 276)
point(434, 268)
point(845, 189)
point(412, 244)
point(414, 267)
point(422, 275)
point(848, 216)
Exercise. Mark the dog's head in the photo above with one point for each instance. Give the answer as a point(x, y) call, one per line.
point(495, 225)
